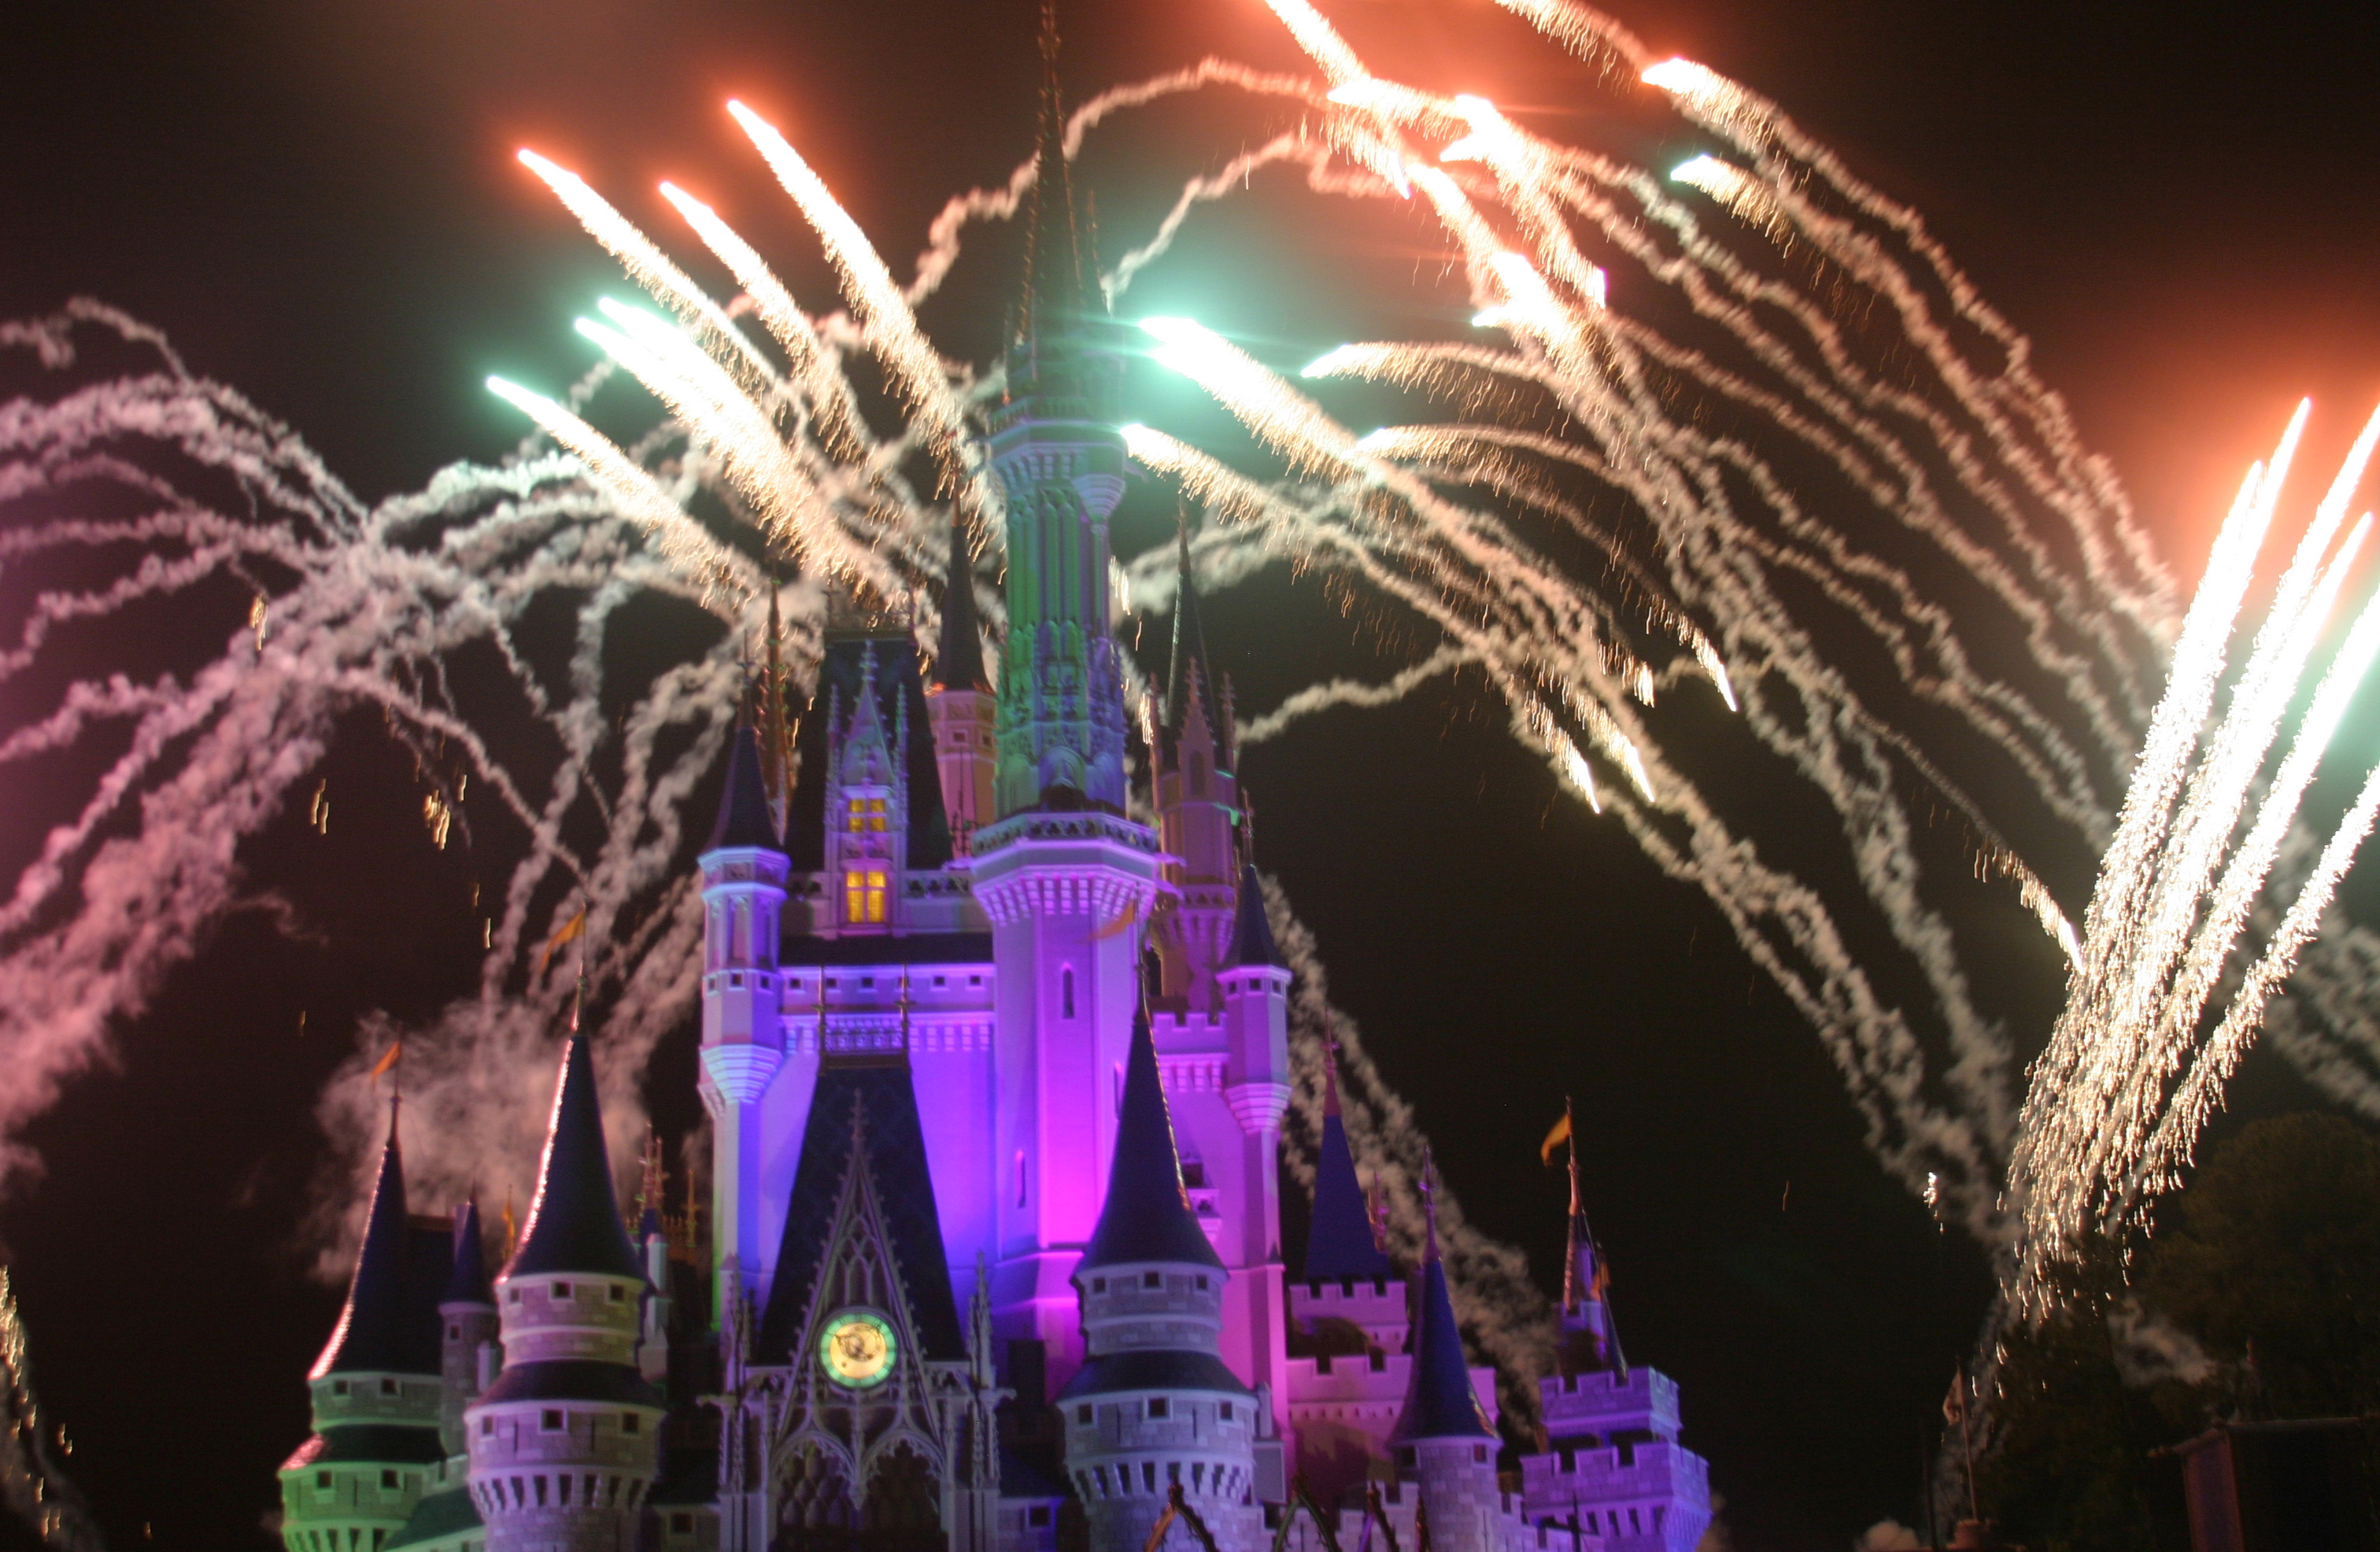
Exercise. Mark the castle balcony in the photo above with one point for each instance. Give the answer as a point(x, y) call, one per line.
point(1598, 1405)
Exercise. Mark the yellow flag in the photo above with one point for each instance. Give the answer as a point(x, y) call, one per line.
point(570, 929)
point(1554, 1139)
point(1124, 918)
point(388, 1060)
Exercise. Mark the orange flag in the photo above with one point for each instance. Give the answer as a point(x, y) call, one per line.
point(388, 1060)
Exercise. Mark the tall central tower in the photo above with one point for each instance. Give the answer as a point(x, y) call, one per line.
point(1065, 877)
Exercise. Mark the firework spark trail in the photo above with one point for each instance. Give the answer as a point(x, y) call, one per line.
point(1430, 533)
point(2106, 1124)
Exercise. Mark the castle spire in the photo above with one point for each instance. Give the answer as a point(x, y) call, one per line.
point(467, 1284)
point(1187, 675)
point(1252, 939)
point(371, 1334)
point(745, 821)
point(1440, 1401)
point(958, 665)
point(1340, 1244)
point(1148, 1215)
point(1053, 261)
point(573, 1222)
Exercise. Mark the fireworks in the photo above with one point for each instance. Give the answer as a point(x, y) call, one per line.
point(2120, 1095)
point(1666, 553)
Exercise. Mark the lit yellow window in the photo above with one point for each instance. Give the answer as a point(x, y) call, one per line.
point(863, 894)
point(864, 813)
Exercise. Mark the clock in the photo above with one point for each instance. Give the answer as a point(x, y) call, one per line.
point(856, 1349)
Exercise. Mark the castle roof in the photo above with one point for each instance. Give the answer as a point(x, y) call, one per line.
point(895, 1143)
point(1148, 1216)
point(744, 818)
point(1339, 1242)
point(467, 1284)
point(1152, 1368)
point(370, 1444)
point(389, 1321)
point(436, 1518)
point(1252, 941)
point(1440, 1401)
point(574, 1224)
point(844, 665)
point(958, 664)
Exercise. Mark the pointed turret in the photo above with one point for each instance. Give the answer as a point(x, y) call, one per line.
point(959, 663)
point(1252, 941)
point(376, 1387)
point(1440, 1401)
point(372, 1333)
point(1339, 1245)
point(574, 1224)
point(467, 1354)
point(1152, 1292)
point(569, 1408)
point(744, 821)
point(1148, 1215)
point(467, 1284)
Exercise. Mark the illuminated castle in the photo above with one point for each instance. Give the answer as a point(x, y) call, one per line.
point(996, 1074)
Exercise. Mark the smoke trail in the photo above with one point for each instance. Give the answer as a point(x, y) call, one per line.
point(1794, 459)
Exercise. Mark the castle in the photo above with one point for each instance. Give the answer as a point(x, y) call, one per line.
point(996, 1074)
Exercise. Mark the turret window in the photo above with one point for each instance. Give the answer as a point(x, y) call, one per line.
point(864, 816)
point(863, 896)
point(1159, 1406)
point(388, 1481)
point(388, 1387)
point(562, 1290)
point(323, 1482)
point(1066, 993)
point(630, 1422)
point(1152, 1279)
point(551, 1420)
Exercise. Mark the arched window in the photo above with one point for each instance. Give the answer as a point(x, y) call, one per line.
point(1066, 992)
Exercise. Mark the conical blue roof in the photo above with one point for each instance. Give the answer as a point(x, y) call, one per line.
point(958, 665)
point(1439, 1401)
point(371, 1332)
point(1252, 941)
point(574, 1224)
point(1148, 1215)
point(1340, 1244)
point(467, 1284)
point(743, 819)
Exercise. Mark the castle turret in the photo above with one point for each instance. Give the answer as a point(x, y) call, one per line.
point(1253, 981)
point(468, 1311)
point(565, 1443)
point(1445, 1446)
point(1614, 1466)
point(376, 1387)
point(1197, 813)
point(743, 1040)
point(1154, 1408)
point(1064, 875)
point(965, 712)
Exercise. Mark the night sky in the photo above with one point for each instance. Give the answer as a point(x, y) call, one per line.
point(318, 203)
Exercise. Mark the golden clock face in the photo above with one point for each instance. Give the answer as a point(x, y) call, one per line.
point(856, 1349)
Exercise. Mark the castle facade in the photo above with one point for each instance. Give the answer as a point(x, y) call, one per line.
point(996, 1074)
